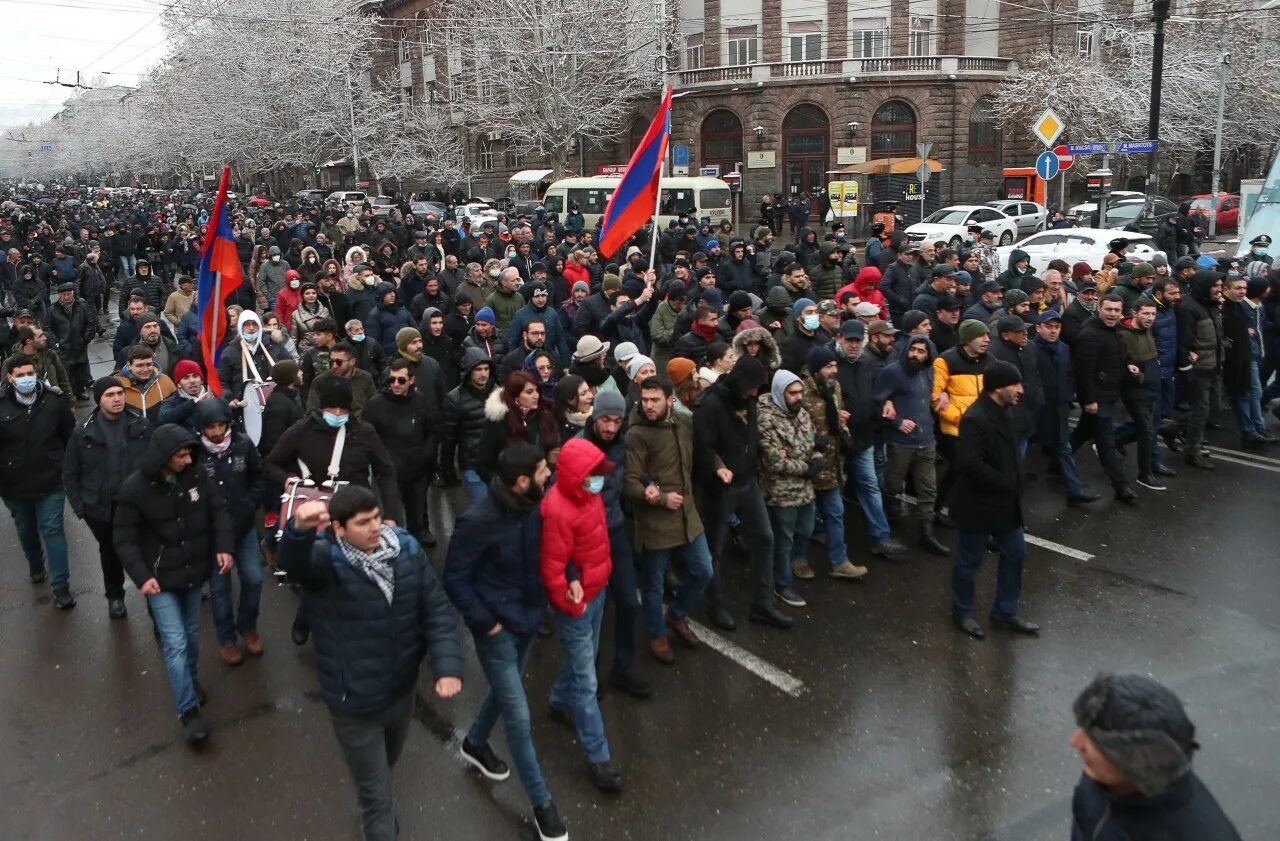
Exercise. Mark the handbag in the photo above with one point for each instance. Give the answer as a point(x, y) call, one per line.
point(305, 489)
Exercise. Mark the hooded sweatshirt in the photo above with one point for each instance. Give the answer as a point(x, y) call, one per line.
point(786, 447)
point(911, 394)
point(271, 274)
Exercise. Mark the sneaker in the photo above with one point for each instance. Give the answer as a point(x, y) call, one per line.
point(547, 819)
point(789, 597)
point(1151, 483)
point(606, 775)
point(888, 548)
point(62, 598)
point(193, 729)
point(40, 576)
point(485, 761)
point(848, 570)
point(801, 570)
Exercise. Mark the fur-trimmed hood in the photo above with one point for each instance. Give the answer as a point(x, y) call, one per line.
point(495, 408)
point(773, 358)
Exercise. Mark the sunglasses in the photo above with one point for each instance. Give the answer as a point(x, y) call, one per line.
point(337, 363)
point(398, 380)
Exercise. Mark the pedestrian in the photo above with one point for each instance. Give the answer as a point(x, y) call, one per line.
point(377, 609)
point(987, 504)
point(957, 383)
point(1099, 359)
point(1013, 344)
point(1242, 334)
point(465, 422)
point(1136, 744)
point(1141, 391)
point(235, 471)
point(406, 421)
point(575, 533)
point(74, 325)
point(35, 425)
point(171, 526)
point(788, 466)
point(146, 387)
point(1057, 379)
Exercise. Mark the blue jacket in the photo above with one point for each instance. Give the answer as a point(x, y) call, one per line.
point(911, 395)
point(1185, 811)
point(383, 322)
point(491, 571)
point(1165, 330)
point(558, 337)
point(1058, 383)
point(368, 652)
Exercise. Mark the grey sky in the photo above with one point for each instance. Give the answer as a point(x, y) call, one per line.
point(43, 37)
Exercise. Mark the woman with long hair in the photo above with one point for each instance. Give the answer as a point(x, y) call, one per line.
point(309, 312)
point(516, 412)
point(541, 365)
point(573, 402)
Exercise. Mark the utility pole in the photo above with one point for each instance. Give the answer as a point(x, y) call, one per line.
point(355, 141)
point(1157, 73)
point(1217, 137)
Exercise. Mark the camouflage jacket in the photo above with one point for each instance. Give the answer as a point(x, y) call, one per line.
point(832, 473)
point(786, 446)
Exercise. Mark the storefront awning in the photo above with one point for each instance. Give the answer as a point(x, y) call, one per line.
point(890, 166)
point(529, 176)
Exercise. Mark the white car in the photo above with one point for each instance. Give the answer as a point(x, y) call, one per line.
point(381, 205)
point(1029, 216)
point(351, 199)
point(477, 213)
point(1078, 245)
point(951, 225)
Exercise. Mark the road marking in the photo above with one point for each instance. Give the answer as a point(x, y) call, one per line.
point(1244, 455)
point(1218, 456)
point(1058, 547)
point(1067, 551)
point(789, 684)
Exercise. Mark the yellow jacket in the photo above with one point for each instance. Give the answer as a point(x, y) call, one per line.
point(961, 378)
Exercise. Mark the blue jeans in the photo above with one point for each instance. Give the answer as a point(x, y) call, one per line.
point(226, 620)
point(503, 658)
point(476, 488)
point(40, 520)
point(829, 509)
point(128, 265)
point(1248, 406)
point(697, 574)
point(792, 526)
point(176, 614)
point(1067, 466)
point(575, 686)
point(861, 470)
point(971, 548)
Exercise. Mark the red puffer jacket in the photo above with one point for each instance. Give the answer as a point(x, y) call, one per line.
point(574, 529)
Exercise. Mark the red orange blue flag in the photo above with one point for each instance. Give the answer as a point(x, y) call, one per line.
point(636, 196)
point(220, 275)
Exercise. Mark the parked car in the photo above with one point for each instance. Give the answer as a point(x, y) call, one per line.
point(381, 205)
point(1083, 214)
point(427, 209)
point(1076, 245)
point(1143, 216)
point(477, 213)
point(350, 199)
point(1029, 216)
point(952, 225)
point(1227, 210)
point(310, 195)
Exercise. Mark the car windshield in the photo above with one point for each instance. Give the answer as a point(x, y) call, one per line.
point(948, 217)
point(1202, 204)
point(1124, 213)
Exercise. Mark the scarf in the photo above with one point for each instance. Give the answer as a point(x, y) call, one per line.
point(219, 448)
point(376, 565)
point(705, 330)
point(185, 396)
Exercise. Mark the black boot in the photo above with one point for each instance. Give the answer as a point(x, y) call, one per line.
point(929, 541)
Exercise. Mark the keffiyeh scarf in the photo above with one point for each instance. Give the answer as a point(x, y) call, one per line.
point(376, 565)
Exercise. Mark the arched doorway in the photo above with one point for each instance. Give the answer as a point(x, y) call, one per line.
point(721, 140)
point(893, 131)
point(806, 143)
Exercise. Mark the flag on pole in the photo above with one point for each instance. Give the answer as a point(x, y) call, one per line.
point(220, 275)
point(633, 202)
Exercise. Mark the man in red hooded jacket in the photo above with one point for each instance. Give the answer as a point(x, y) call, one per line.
point(576, 566)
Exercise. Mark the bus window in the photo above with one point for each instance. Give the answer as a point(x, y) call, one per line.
point(717, 199)
point(553, 202)
point(677, 201)
point(590, 200)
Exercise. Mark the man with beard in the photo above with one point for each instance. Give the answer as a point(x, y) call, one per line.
point(331, 299)
point(406, 418)
point(464, 421)
point(1099, 358)
point(1080, 310)
point(533, 337)
point(789, 465)
point(990, 297)
point(151, 335)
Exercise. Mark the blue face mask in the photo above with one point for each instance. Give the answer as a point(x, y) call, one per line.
point(1260, 250)
point(810, 323)
point(251, 340)
point(335, 421)
point(357, 339)
point(26, 384)
point(594, 485)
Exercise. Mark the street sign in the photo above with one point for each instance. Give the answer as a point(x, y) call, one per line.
point(679, 155)
point(46, 148)
point(923, 150)
point(1137, 147)
point(1065, 158)
point(709, 171)
point(1087, 148)
point(924, 173)
point(1047, 166)
point(1048, 127)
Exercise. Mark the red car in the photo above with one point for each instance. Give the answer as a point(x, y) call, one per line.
point(1228, 210)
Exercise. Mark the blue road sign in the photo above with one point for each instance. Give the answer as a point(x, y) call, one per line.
point(1087, 148)
point(46, 148)
point(680, 155)
point(1140, 147)
point(1047, 166)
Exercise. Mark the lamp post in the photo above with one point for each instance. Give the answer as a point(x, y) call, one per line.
point(1157, 72)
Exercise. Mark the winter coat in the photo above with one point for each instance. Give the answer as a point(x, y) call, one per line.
point(232, 367)
point(769, 353)
point(795, 348)
point(987, 496)
point(1057, 381)
point(407, 425)
point(856, 379)
point(91, 485)
point(1237, 357)
point(1140, 350)
point(362, 390)
point(592, 312)
point(495, 437)
point(574, 530)
point(492, 572)
point(1024, 359)
point(1098, 356)
point(383, 322)
point(726, 432)
point(558, 338)
point(464, 413)
point(1073, 320)
point(898, 288)
point(1128, 289)
point(33, 443)
point(824, 405)
point(660, 454)
point(786, 448)
point(176, 306)
point(662, 335)
point(505, 305)
point(911, 395)
point(825, 276)
point(735, 275)
point(73, 328)
point(171, 528)
point(282, 411)
point(236, 473)
point(1165, 330)
point(1185, 811)
point(960, 376)
point(271, 274)
point(50, 370)
point(368, 652)
point(145, 399)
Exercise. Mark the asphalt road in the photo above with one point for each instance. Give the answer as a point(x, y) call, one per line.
point(874, 718)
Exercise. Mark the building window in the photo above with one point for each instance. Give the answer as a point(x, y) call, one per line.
point(870, 37)
point(484, 154)
point(693, 53)
point(744, 45)
point(893, 130)
point(721, 139)
point(920, 37)
point(804, 41)
point(511, 157)
point(984, 133)
point(1084, 41)
point(403, 47)
point(406, 99)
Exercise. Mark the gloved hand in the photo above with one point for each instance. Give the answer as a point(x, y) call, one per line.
point(820, 442)
point(815, 467)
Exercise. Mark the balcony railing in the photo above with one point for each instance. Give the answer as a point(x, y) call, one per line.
point(850, 68)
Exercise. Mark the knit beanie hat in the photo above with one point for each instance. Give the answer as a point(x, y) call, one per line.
point(912, 319)
point(334, 391)
point(581, 284)
point(739, 301)
point(678, 370)
point(609, 403)
point(285, 372)
point(624, 351)
point(1000, 374)
point(405, 335)
point(1140, 726)
point(798, 306)
point(819, 357)
point(486, 315)
point(185, 368)
point(1013, 297)
point(611, 283)
point(637, 362)
point(970, 329)
point(101, 385)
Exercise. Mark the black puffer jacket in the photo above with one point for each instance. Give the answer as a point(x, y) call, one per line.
point(406, 424)
point(91, 485)
point(1185, 811)
point(464, 419)
point(1098, 356)
point(33, 443)
point(725, 430)
point(170, 529)
point(237, 472)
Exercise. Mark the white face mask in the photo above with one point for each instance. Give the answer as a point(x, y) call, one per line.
point(494, 273)
point(294, 284)
point(275, 258)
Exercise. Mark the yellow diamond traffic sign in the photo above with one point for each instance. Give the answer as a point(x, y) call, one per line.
point(1048, 127)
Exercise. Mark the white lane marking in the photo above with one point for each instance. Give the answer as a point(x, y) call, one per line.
point(1067, 551)
point(1218, 456)
point(1244, 455)
point(763, 669)
point(1058, 547)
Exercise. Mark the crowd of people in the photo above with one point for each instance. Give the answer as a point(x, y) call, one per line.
point(620, 432)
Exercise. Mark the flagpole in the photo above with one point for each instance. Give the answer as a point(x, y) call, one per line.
point(659, 12)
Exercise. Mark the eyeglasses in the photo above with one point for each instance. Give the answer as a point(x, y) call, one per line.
point(337, 363)
point(398, 380)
